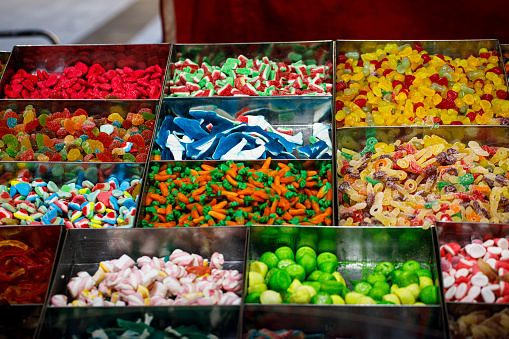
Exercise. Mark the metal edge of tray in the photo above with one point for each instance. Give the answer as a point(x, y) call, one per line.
point(111, 243)
point(141, 211)
point(19, 58)
point(284, 316)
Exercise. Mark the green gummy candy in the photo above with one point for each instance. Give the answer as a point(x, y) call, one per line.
point(10, 140)
point(129, 157)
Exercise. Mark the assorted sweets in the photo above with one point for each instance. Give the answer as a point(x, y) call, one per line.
point(86, 203)
point(206, 135)
point(143, 329)
point(180, 278)
point(242, 76)
point(417, 182)
point(477, 272)
point(308, 277)
point(405, 85)
point(235, 193)
point(25, 271)
point(481, 324)
point(115, 136)
point(82, 81)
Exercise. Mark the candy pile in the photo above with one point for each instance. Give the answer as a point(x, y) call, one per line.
point(75, 205)
point(66, 136)
point(281, 334)
point(423, 180)
point(210, 136)
point(177, 279)
point(249, 77)
point(143, 329)
point(83, 82)
point(282, 277)
point(480, 324)
point(25, 271)
point(477, 272)
point(235, 193)
point(407, 86)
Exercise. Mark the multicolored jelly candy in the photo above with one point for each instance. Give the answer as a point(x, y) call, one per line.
point(404, 85)
point(78, 136)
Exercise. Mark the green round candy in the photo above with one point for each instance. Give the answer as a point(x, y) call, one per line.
point(304, 250)
point(423, 273)
point(253, 298)
point(326, 256)
point(385, 268)
point(296, 272)
point(269, 274)
point(411, 265)
point(321, 298)
point(314, 275)
point(308, 262)
point(328, 266)
point(326, 276)
point(269, 259)
point(332, 287)
point(362, 288)
point(377, 293)
point(374, 277)
point(279, 281)
point(395, 277)
point(315, 284)
point(408, 278)
point(383, 285)
point(285, 252)
point(283, 263)
point(429, 295)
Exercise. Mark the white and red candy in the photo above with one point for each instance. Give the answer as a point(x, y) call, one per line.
point(463, 278)
point(155, 282)
point(249, 77)
point(83, 82)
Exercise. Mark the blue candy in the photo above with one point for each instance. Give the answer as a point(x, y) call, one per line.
point(23, 188)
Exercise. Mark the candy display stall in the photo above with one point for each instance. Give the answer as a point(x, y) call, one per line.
point(208, 190)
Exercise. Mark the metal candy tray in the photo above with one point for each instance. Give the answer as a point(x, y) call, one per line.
point(21, 319)
point(357, 250)
point(84, 249)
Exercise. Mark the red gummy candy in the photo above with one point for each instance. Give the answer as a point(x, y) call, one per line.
point(104, 157)
point(142, 157)
point(55, 157)
point(137, 139)
point(32, 124)
point(27, 155)
point(104, 138)
point(147, 134)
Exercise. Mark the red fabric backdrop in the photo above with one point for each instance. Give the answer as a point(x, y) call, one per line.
point(215, 21)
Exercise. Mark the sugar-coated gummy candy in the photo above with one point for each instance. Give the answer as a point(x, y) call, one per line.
point(76, 136)
point(418, 182)
point(404, 85)
point(483, 323)
point(83, 82)
point(232, 193)
point(249, 77)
